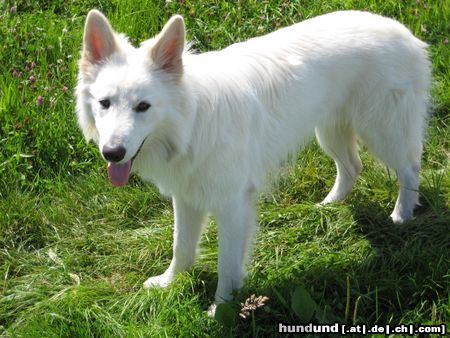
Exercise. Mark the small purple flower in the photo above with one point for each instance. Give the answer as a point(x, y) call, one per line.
point(12, 9)
point(65, 89)
point(32, 78)
point(39, 100)
point(14, 72)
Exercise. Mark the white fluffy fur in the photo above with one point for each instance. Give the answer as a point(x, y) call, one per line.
point(220, 121)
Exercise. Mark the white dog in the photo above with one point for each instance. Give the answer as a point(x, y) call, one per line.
point(208, 128)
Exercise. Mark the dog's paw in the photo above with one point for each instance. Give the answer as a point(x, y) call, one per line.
point(212, 310)
point(331, 198)
point(397, 218)
point(400, 218)
point(160, 281)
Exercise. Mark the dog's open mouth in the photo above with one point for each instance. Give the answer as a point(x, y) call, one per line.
point(119, 173)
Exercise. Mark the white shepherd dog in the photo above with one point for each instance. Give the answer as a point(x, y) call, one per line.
point(208, 128)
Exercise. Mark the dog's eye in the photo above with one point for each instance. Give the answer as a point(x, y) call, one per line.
point(142, 107)
point(105, 103)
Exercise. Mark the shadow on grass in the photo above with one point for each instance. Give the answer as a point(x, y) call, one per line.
point(430, 226)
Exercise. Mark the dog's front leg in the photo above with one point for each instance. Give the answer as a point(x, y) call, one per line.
point(188, 226)
point(236, 225)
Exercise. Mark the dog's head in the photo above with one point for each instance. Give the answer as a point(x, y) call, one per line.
point(127, 96)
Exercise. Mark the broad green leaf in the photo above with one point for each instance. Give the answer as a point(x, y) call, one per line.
point(303, 304)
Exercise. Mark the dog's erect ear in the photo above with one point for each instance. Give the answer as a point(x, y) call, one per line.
point(99, 41)
point(168, 49)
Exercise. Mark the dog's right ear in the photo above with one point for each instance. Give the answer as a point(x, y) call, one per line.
point(99, 41)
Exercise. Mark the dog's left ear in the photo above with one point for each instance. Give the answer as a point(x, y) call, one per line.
point(168, 49)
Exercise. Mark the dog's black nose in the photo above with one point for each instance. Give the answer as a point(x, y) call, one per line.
point(114, 154)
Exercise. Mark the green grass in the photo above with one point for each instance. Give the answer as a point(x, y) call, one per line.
point(74, 251)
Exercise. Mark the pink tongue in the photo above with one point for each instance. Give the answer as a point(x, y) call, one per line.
point(119, 173)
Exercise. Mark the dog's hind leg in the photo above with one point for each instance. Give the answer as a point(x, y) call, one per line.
point(397, 140)
point(339, 142)
point(188, 227)
point(404, 158)
point(398, 144)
